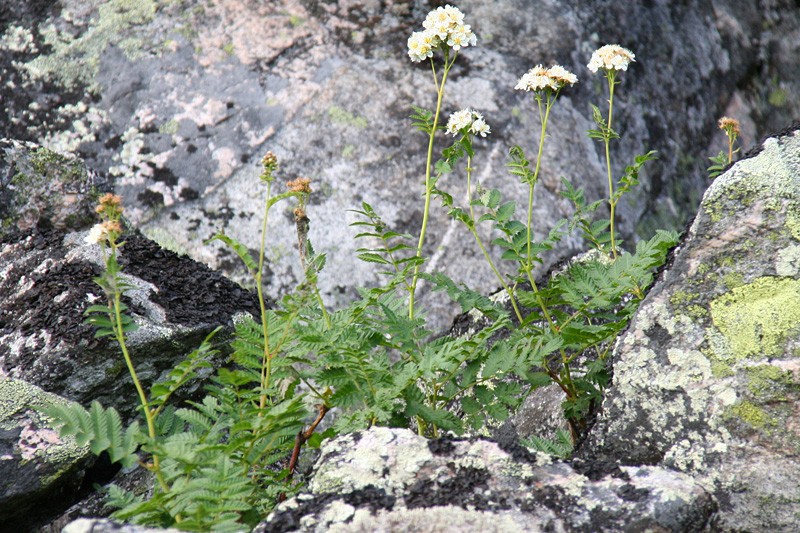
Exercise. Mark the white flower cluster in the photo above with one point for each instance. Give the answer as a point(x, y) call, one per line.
point(611, 57)
point(97, 234)
point(467, 118)
point(444, 26)
point(539, 78)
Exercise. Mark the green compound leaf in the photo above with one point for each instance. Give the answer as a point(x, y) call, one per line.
point(100, 428)
point(240, 249)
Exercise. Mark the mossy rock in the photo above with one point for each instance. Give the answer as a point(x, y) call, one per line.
point(41, 188)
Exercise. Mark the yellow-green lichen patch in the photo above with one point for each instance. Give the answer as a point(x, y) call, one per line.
point(115, 369)
point(44, 181)
point(17, 399)
point(770, 382)
point(679, 297)
point(777, 97)
point(681, 300)
point(755, 319)
point(751, 414)
point(720, 369)
point(696, 311)
point(348, 150)
point(75, 60)
point(170, 127)
point(733, 280)
point(165, 240)
point(793, 221)
point(342, 116)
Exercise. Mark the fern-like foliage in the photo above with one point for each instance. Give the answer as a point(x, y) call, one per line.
point(98, 427)
point(560, 448)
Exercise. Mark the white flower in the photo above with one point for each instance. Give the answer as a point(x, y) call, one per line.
point(561, 75)
point(539, 79)
point(97, 234)
point(420, 46)
point(611, 57)
point(459, 120)
point(536, 79)
point(444, 25)
point(480, 127)
point(467, 119)
point(454, 14)
point(444, 17)
point(458, 38)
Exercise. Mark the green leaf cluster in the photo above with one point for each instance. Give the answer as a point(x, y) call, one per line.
point(562, 447)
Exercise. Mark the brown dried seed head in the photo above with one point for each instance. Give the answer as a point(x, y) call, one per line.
point(107, 198)
point(112, 226)
point(300, 185)
point(729, 125)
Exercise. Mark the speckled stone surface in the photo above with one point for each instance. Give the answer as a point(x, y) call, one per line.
point(88, 525)
point(46, 284)
point(707, 378)
point(36, 466)
point(394, 480)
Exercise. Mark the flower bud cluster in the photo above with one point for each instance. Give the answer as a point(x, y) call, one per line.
point(467, 121)
point(270, 163)
point(444, 27)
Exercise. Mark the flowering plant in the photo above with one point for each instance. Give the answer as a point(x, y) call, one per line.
point(223, 462)
point(731, 128)
point(547, 337)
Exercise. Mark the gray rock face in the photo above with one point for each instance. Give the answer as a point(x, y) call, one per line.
point(46, 284)
point(707, 379)
point(394, 480)
point(36, 467)
point(40, 188)
point(178, 102)
point(86, 525)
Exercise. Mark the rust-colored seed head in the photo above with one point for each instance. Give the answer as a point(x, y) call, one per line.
point(729, 125)
point(107, 198)
point(300, 185)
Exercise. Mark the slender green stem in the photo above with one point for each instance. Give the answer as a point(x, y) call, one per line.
point(266, 360)
point(607, 138)
point(120, 334)
point(532, 182)
point(428, 188)
point(474, 231)
point(322, 306)
point(543, 117)
point(730, 149)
